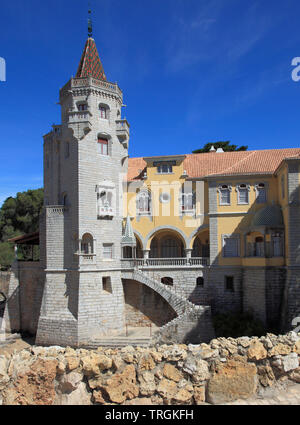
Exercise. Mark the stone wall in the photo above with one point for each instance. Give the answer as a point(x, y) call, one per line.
point(215, 373)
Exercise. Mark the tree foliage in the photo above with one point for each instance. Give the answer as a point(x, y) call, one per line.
point(18, 215)
point(225, 145)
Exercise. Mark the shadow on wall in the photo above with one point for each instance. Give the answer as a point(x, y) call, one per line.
point(143, 306)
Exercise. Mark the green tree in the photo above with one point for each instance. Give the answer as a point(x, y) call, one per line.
point(225, 145)
point(18, 215)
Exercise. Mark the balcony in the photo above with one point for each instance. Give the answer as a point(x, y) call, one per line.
point(165, 262)
point(122, 128)
point(79, 116)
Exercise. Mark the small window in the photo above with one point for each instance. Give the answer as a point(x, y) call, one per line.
point(243, 194)
point(82, 107)
point(103, 146)
point(87, 244)
point(282, 187)
point(224, 192)
point(167, 281)
point(165, 168)
point(188, 201)
point(67, 149)
point(200, 281)
point(261, 195)
point(229, 283)
point(107, 251)
point(230, 246)
point(106, 284)
point(103, 112)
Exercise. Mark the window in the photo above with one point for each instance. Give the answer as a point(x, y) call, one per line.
point(259, 247)
point(106, 284)
point(282, 187)
point(224, 194)
point(87, 244)
point(165, 168)
point(103, 146)
point(103, 112)
point(200, 281)
point(143, 202)
point(277, 241)
point(107, 251)
point(167, 281)
point(230, 246)
point(261, 195)
point(67, 149)
point(188, 201)
point(82, 107)
point(243, 193)
point(229, 283)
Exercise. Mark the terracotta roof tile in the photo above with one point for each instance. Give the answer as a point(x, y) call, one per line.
point(226, 163)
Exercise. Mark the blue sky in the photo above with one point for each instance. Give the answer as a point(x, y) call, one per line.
point(191, 71)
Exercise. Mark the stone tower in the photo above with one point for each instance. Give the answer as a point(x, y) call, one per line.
point(85, 161)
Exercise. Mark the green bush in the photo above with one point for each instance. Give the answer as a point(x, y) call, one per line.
point(236, 325)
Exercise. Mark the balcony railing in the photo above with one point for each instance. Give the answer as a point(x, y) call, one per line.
point(122, 127)
point(165, 262)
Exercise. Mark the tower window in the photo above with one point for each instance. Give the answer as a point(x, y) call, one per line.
point(103, 112)
point(229, 283)
point(82, 107)
point(106, 284)
point(102, 146)
point(200, 281)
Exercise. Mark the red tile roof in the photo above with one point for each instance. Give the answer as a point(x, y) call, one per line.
point(90, 63)
point(226, 163)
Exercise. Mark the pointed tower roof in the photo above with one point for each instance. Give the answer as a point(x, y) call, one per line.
point(128, 237)
point(90, 63)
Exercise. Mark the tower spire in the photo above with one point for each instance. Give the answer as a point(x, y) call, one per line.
point(90, 24)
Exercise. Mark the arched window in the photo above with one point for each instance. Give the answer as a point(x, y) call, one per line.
point(82, 106)
point(143, 201)
point(259, 247)
point(87, 244)
point(200, 281)
point(224, 194)
point(167, 281)
point(170, 248)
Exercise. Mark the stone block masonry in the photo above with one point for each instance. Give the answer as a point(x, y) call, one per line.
point(222, 371)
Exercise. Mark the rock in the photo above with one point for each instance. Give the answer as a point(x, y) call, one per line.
point(290, 362)
point(80, 396)
point(295, 375)
point(122, 386)
point(95, 382)
point(279, 349)
point(4, 378)
point(208, 353)
point(71, 352)
point(147, 383)
point(157, 357)
point(182, 397)
point(265, 376)
point(104, 362)
point(167, 389)
point(72, 363)
point(198, 369)
point(128, 358)
point(61, 368)
point(244, 341)
point(175, 353)
point(199, 395)
point(231, 381)
point(69, 382)
point(257, 351)
point(171, 372)
point(146, 362)
point(34, 387)
point(296, 347)
point(89, 365)
point(98, 397)
point(143, 401)
point(117, 362)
